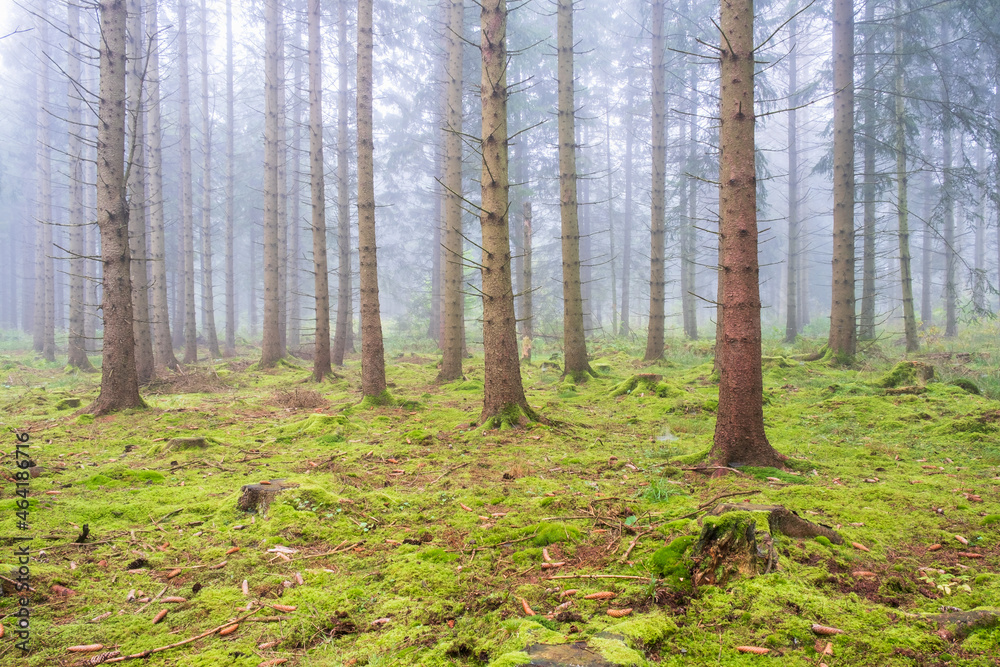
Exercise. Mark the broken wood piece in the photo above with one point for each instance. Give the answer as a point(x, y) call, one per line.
point(783, 520)
point(958, 625)
point(85, 648)
point(256, 498)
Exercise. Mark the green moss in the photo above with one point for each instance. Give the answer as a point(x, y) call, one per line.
point(377, 401)
point(616, 652)
point(669, 563)
point(646, 630)
point(825, 541)
point(85, 419)
point(469, 385)
point(437, 555)
point(511, 659)
point(990, 519)
point(551, 533)
point(966, 384)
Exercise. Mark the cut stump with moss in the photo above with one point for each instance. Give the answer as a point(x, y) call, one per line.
point(256, 498)
point(731, 546)
point(782, 520)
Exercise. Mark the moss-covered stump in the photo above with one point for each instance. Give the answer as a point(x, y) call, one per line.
point(733, 545)
point(647, 381)
point(564, 655)
point(959, 625)
point(177, 444)
point(256, 498)
point(782, 520)
point(907, 374)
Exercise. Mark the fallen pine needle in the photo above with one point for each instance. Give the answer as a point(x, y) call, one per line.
point(598, 576)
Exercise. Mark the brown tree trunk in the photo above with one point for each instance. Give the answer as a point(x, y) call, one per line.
point(454, 316)
point(207, 283)
point(321, 358)
point(163, 350)
point(45, 316)
point(626, 305)
point(527, 316)
point(135, 168)
point(373, 385)
point(979, 282)
point(229, 348)
point(271, 350)
point(843, 326)
point(344, 296)
point(294, 287)
point(793, 270)
point(187, 196)
point(866, 322)
point(503, 396)
point(119, 382)
point(927, 240)
point(657, 228)
point(902, 203)
point(948, 195)
point(739, 427)
point(689, 246)
point(77, 337)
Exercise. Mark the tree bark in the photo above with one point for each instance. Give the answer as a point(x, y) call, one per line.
point(271, 347)
point(45, 316)
point(163, 351)
point(657, 227)
point(135, 169)
point(626, 306)
point(948, 201)
point(689, 207)
point(574, 342)
point(979, 282)
point(119, 381)
point(866, 322)
point(77, 297)
point(927, 244)
point(843, 330)
point(373, 385)
point(344, 296)
point(282, 196)
point(739, 427)
point(503, 396)
point(187, 196)
point(793, 271)
point(229, 348)
point(321, 357)
point(452, 255)
point(902, 200)
point(294, 289)
point(207, 282)
point(527, 316)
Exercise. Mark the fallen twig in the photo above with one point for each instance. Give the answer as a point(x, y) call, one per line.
point(704, 506)
point(599, 576)
point(149, 652)
point(448, 471)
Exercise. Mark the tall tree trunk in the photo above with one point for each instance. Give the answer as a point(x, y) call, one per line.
point(373, 385)
point(950, 256)
point(45, 316)
point(77, 337)
point(739, 427)
point(119, 382)
point(906, 276)
point(979, 281)
point(282, 191)
point(187, 196)
point(207, 282)
point(294, 289)
point(135, 170)
point(574, 341)
point(689, 247)
point(163, 350)
point(93, 244)
point(252, 278)
point(229, 348)
point(657, 227)
point(793, 271)
point(503, 396)
point(866, 323)
point(843, 326)
point(344, 296)
point(527, 316)
point(626, 307)
point(927, 243)
point(454, 317)
point(321, 357)
point(271, 350)
point(611, 222)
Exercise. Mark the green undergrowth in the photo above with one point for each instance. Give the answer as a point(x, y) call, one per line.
point(416, 531)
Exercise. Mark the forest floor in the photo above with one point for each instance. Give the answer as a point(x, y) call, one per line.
point(406, 535)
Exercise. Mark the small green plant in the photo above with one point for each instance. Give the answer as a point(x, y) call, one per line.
point(946, 582)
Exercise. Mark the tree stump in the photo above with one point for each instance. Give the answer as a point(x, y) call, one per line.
point(730, 546)
point(256, 498)
point(784, 521)
point(196, 442)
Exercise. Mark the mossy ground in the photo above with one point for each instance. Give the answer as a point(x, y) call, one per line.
point(439, 525)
